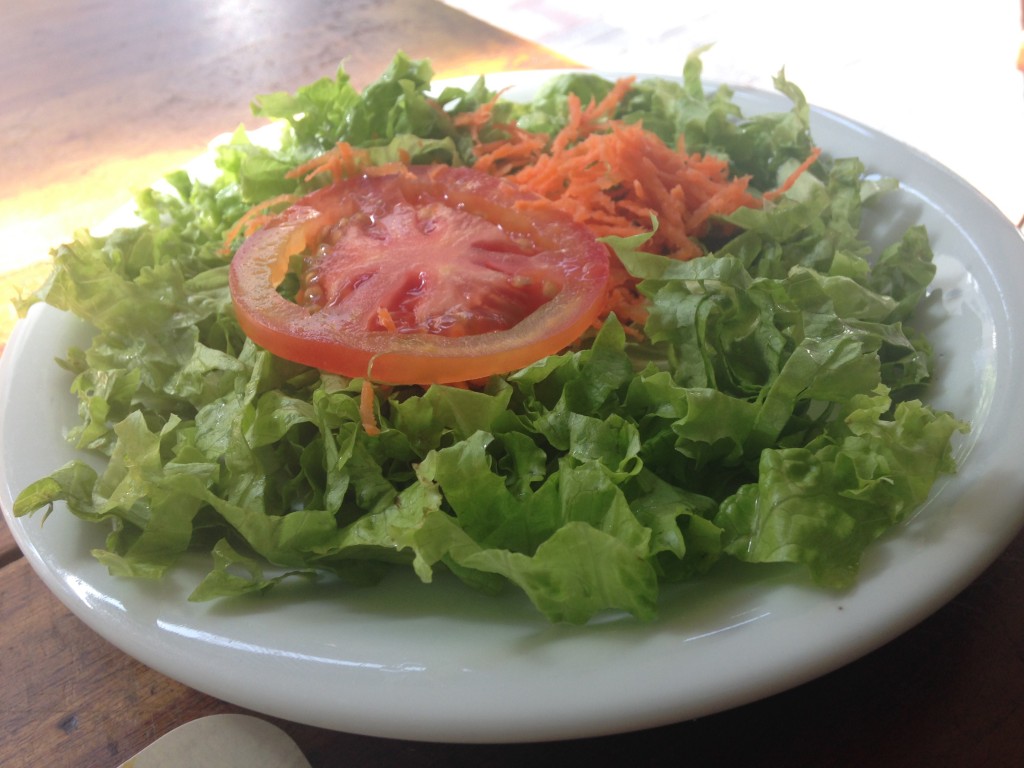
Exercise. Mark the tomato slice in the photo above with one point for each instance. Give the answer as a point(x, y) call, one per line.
point(420, 275)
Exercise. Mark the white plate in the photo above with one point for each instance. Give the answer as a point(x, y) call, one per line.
point(438, 663)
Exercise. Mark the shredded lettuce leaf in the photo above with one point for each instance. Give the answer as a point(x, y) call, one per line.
point(772, 415)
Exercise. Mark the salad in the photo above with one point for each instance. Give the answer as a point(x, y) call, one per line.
point(620, 333)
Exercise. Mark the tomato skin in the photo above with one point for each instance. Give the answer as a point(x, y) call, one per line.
point(421, 275)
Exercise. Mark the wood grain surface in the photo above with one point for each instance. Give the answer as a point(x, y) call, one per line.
point(124, 80)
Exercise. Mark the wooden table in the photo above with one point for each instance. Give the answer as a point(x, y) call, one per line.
point(101, 97)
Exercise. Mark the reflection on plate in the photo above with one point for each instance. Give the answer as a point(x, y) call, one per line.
point(437, 663)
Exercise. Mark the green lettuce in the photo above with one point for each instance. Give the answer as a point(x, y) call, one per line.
point(772, 413)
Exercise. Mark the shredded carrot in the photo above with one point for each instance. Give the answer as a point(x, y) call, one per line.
point(386, 321)
point(366, 411)
point(613, 177)
point(585, 121)
point(499, 156)
point(615, 180)
point(778, 192)
point(254, 218)
point(342, 161)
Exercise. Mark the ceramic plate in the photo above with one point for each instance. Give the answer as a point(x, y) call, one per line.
point(439, 663)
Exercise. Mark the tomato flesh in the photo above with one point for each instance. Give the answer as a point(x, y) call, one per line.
point(420, 275)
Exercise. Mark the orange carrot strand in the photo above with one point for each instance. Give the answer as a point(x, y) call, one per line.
point(366, 409)
point(779, 191)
